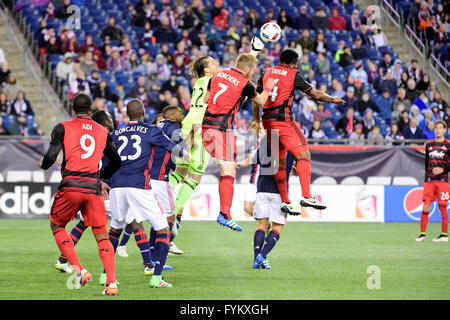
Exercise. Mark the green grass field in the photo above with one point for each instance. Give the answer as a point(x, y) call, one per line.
point(311, 261)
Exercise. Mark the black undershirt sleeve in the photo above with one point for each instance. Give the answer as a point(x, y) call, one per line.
point(114, 159)
point(249, 91)
point(260, 87)
point(56, 144)
point(301, 84)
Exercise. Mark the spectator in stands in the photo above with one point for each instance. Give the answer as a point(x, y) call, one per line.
point(79, 84)
point(404, 80)
point(306, 116)
point(270, 16)
point(447, 114)
point(366, 102)
point(184, 97)
point(3, 130)
point(372, 74)
point(320, 44)
point(52, 47)
point(188, 20)
point(71, 45)
point(20, 106)
point(221, 20)
point(320, 20)
point(414, 70)
point(355, 20)
point(423, 83)
point(323, 115)
point(338, 90)
point(88, 64)
point(253, 21)
point(130, 14)
point(378, 37)
point(285, 21)
point(384, 103)
point(364, 34)
point(112, 31)
point(305, 41)
point(427, 117)
point(387, 83)
point(423, 11)
point(336, 21)
point(216, 9)
point(93, 79)
point(357, 136)
point(402, 99)
point(412, 131)
point(133, 62)
point(387, 62)
point(103, 91)
point(403, 122)
point(437, 113)
point(50, 11)
point(339, 51)
point(358, 51)
point(203, 43)
point(369, 18)
point(394, 134)
point(44, 33)
point(21, 128)
point(316, 131)
point(322, 65)
point(181, 51)
point(346, 125)
point(414, 12)
point(120, 93)
point(115, 61)
point(421, 101)
point(5, 104)
point(62, 12)
point(11, 87)
point(303, 21)
point(374, 137)
point(171, 85)
point(358, 72)
point(140, 82)
point(368, 121)
point(411, 92)
point(170, 14)
point(415, 113)
point(437, 98)
point(296, 47)
point(162, 67)
point(350, 99)
point(428, 132)
point(397, 71)
point(64, 68)
point(305, 65)
point(346, 59)
point(4, 72)
point(358, 88)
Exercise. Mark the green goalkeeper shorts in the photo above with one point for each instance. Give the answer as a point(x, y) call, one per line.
point(198, 157)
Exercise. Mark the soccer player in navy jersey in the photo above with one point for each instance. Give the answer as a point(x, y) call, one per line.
point(437, 166)
point(267, 205)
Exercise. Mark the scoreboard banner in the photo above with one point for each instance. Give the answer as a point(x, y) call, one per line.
point(345, 203)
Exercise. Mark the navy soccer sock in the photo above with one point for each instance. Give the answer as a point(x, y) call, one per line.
point(160, 252)
point(258, 241)
point(126, 235)
point(151, 242)
point(271, 241)
point(142, 243)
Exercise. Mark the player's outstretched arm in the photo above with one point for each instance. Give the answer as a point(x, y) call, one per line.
point(114, 159)
point(56, 144)
point(261, 98)
point(323, 97)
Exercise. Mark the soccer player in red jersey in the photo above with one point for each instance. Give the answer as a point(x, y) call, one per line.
point(278, 121)
point(227, 90)
point(437, 166)
point(83, 142)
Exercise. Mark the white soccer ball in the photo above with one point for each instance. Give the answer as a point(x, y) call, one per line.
point(270, 32)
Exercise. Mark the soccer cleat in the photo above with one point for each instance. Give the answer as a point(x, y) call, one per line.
point(148, 271)
point(256, 265)
point(158, 282)
point(230, 223)
point(263, 262)
point(289, 208)
point(312, 202)
point(166, 267)
point(110, 290)
point(420, 238)
point(83, 278)
point(174, 249)
point(63, 267)
point(441, 238)
point(122, 251)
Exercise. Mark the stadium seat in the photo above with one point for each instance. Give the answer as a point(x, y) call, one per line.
point(381, 180)
point(353, 180)
point(325, 180)
point(404, 181)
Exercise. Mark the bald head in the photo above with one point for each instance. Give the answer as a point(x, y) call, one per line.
point(136, 110)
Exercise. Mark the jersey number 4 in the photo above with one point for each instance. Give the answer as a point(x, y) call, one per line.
point(136, 145)
point(274, 91)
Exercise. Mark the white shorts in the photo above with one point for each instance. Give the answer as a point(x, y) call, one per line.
point(250, 192)
point(165, 195)
point(268, 206)
point(128, 204)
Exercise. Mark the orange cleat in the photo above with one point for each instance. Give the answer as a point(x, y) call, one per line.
point(111, 290)
point(83, 278)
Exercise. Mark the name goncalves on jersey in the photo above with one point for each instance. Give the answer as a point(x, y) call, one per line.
point(437, 154)
point(226, 76)
point(140, 129)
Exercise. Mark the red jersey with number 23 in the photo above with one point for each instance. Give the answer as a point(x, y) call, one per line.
point(279, 104)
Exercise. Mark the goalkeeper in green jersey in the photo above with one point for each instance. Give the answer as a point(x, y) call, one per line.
point(189, 173)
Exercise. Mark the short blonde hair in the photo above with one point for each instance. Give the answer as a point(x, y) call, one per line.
point(246, 60)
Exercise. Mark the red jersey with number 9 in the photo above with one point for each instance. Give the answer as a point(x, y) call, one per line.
point(227, 91)
point(84, 141)
point(279, 103)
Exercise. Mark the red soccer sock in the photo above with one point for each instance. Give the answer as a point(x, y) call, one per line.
point(106, 253)
point(226, 192)
point(67, 248)
point(304, 175)
point(423, 222)
point(280, 179)
point(444, 213)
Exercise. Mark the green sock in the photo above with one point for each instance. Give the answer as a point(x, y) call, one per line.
point(185, 193)
point(175, 178)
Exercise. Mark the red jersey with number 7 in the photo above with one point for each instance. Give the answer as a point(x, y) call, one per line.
point(83, 143)
point(228, 89)
point(279, 104)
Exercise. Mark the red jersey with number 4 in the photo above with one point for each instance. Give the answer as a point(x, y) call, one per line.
point(227, 91)
point(84, 141)
point(279, 104)
point(437, 155)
